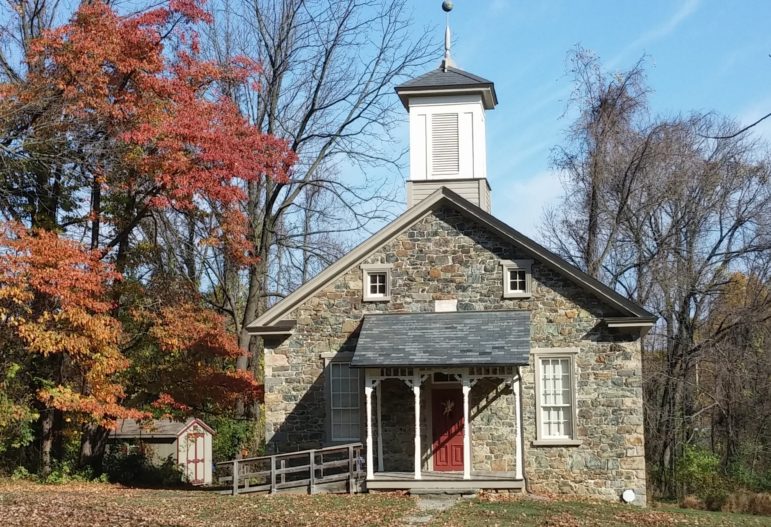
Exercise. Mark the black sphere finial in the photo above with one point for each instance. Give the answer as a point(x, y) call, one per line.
point(447, 6)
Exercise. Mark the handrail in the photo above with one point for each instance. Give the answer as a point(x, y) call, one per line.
point(298, 453)
point(278, 475)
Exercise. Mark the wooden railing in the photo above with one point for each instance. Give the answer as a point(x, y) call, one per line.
point(307, 468)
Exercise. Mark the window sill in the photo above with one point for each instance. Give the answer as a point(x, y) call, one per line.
point(376, 299)
point(517, 295)
point(337, 442)
point(557, 442)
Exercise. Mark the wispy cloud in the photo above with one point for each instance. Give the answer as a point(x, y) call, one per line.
point(521, 202)
point(662, 30)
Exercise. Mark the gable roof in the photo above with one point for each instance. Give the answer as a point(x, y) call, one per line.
point(442, 197)
point(448, 80)
point(156, 429)
point(460, 338)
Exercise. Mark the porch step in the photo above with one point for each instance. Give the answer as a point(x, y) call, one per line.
point(438, 494)
point(443, 486)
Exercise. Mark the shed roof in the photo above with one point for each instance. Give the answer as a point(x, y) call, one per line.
point(156, 428)
point(462, 338)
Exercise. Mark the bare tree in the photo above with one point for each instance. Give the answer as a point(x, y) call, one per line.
point(663, 212)
point(328, 72)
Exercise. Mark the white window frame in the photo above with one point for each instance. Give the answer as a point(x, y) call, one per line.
point(517, 265)
point(367, 270)
point(332, 406)
point(540, 355)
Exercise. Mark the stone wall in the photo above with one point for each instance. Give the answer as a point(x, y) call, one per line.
point(444, 255)
point(493, 426)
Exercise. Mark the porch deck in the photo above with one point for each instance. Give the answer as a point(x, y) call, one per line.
point(444, 481)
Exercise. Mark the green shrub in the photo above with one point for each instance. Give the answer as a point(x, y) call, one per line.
point(232, 436)
point(699, 474)
point(21, 473)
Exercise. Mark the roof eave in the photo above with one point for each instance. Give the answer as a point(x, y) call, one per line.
point(283, 328)
point(486, 91)
point(437, 365)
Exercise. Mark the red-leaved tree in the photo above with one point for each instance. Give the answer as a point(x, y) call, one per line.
point(118, 124)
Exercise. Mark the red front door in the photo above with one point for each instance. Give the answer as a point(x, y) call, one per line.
point(447, 420)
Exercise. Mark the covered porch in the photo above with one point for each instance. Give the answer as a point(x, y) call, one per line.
point(449, 383)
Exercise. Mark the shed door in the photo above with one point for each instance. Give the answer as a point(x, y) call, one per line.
point(196, 458)
point(447, 447)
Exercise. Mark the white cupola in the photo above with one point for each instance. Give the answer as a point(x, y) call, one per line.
point(447, 132)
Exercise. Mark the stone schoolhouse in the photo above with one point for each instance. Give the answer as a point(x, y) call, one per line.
point(463, 354)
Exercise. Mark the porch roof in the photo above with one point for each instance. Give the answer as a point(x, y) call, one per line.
point(462, 338)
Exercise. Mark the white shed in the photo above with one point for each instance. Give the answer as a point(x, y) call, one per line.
point(189, 443)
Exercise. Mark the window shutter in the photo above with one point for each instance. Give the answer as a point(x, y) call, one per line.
point(444, 144)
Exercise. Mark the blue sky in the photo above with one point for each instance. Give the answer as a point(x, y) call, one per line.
point(706, 55)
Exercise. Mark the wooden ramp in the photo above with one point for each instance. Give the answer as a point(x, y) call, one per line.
point(334, 469)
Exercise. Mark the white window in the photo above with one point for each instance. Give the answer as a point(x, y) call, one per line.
point(555, 388)
point(516, 278)
point(344, 398)
point(376, 282)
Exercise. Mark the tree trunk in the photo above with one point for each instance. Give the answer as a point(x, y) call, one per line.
point(92, 446)
point(47, 443)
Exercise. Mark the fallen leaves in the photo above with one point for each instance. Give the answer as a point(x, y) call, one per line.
point(26, 504)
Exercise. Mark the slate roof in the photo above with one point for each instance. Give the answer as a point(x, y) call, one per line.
point(447, 81)
point(157, 428)
point(441, 78)
point(462, 338)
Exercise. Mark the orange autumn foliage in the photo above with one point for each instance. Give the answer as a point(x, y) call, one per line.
point(53, 304)
point(193, 366)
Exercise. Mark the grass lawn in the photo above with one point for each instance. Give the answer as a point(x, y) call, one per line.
point(528, 512)
point(99, 504)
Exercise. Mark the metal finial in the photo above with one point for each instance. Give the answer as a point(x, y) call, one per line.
point(447, 6)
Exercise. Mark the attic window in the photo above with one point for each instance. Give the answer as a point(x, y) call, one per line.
point(444, 144)
point(516, 278)
point(376, 282)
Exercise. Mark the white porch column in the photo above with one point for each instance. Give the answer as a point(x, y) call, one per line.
point(379, 393)
point(416, 391)
point(466, 430)
point(518, 440)
point(368, 397)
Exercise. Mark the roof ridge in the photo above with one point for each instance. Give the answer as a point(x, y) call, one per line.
point(468, 75)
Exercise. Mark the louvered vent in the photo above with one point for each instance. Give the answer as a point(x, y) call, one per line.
point(444, 143)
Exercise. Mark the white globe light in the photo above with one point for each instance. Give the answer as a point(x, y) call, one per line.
point(628, 496)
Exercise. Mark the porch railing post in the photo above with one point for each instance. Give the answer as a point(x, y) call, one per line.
point(312, 467)
point(273, 475)
point(466, 430)
point(235, 477)
point(416, 390)
point(351, 465)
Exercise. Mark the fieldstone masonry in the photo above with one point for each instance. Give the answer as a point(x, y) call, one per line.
point(445, 256)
